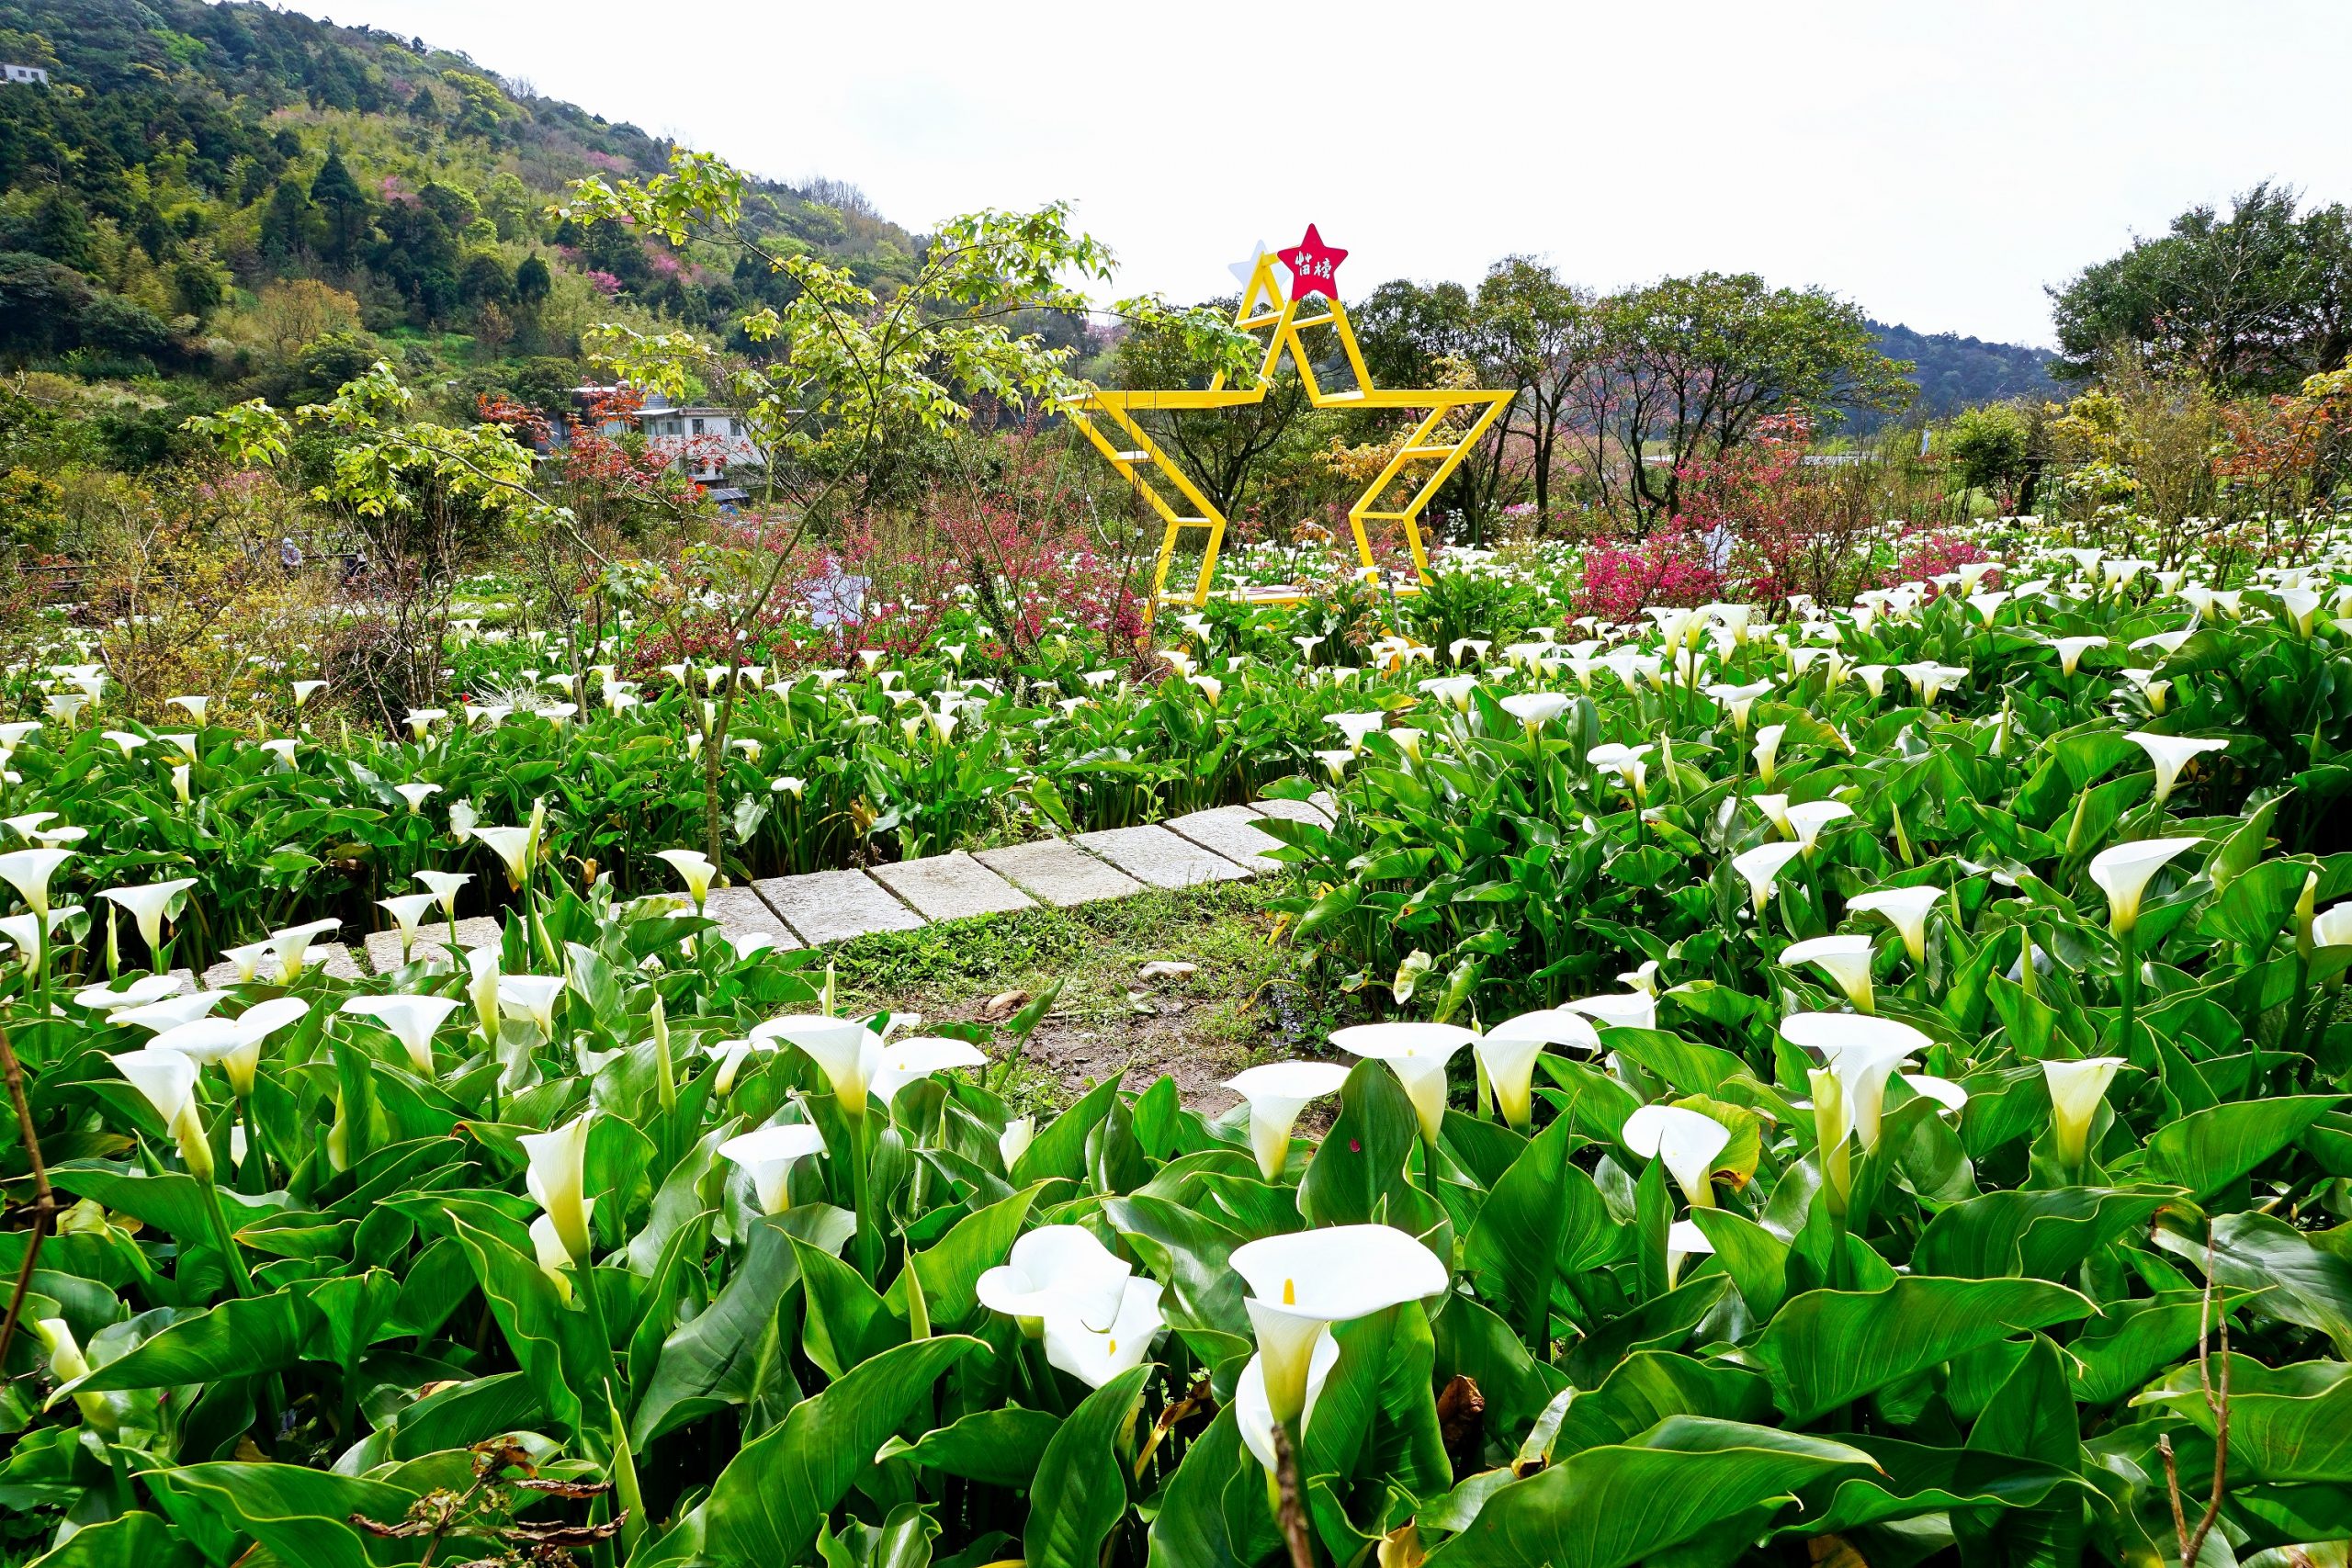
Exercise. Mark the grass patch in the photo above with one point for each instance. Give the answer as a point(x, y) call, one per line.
point(1242, 1000)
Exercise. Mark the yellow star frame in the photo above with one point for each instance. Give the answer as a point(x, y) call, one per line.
point(1429, 457)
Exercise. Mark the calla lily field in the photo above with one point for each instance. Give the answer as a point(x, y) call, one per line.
point(1828, 1082)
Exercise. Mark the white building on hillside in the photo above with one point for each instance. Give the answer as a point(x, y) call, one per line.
point(33, 75)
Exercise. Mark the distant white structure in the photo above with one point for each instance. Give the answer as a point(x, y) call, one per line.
point(32, 74)
point(708, 440)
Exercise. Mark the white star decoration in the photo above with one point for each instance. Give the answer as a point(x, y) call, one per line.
point(1244, 270)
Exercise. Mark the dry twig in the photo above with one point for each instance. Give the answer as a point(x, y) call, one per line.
point(44, 1204)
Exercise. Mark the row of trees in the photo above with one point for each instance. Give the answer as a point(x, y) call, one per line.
point(1616, 393)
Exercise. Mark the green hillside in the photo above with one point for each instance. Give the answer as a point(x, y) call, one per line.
point(215, 201)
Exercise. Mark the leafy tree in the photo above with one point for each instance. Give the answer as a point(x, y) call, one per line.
point(1994, 449)
point(41, 304)
point(288, 222)
point(344, 214)
point(1540, 336)
point(482, 278)
point(1692, 364)
point(112, 324)
point(507, 204)
point(62, 231)
point(532, 282)
point(2253, 302)
point(1222, 450)
point(1405, 328)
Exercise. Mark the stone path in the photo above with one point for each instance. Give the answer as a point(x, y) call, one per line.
point(1220, 845)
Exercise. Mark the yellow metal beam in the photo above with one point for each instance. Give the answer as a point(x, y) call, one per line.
point(1264, 308)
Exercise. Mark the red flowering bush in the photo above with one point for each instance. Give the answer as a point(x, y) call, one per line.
point(1924, 553)
point(1673, 566)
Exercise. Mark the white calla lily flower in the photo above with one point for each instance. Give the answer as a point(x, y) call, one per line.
point(1508, 1050)
point(149, 906)
point(1686, 1140)
point(856, 1062)
point(410, 1020)
point(1301, 1283)
point(1276, 1093)
point(115, 1001)
point(2168, 754)
point(1862, 1051)
point(695, 869)
point(1056, 1267)
point(1905, 908)
point(167, 1081)
point(2076, 1090)
point(1418, 1053)
point(767, 1155)
point(158, 1017)
point(407, 911)
point(557, 1178)
point(1684, 1241)
point(2124, 871)
point(1253, 1410)
point(1014, 1141)
point(531, 996)
point(1845, 959)
point(1095, 1357)
point(1761, 866)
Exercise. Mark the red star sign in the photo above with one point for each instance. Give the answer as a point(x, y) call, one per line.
point(1313, 267)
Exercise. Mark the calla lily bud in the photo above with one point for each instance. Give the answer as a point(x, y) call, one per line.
point(1831, 1128)
point(665, 1069)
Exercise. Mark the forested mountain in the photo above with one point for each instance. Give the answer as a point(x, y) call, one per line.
point(245, 200)
point(1955, 372)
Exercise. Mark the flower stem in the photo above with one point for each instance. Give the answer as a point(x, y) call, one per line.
point(239, 1280)
point(2130, 987)
point(869, 1227)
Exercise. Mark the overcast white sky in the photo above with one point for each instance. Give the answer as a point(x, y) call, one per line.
point(1937, 161)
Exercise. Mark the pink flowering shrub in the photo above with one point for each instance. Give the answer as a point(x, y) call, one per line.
point(1671, 567)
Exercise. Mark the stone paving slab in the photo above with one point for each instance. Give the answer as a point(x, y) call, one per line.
point(1054, 871)
point(331, 956)
point(432, 941)
point(834, 905)
point(1294, 811)
point(1159, 857)
point(1227, 831)
point(952, 887)
point(739, 913)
